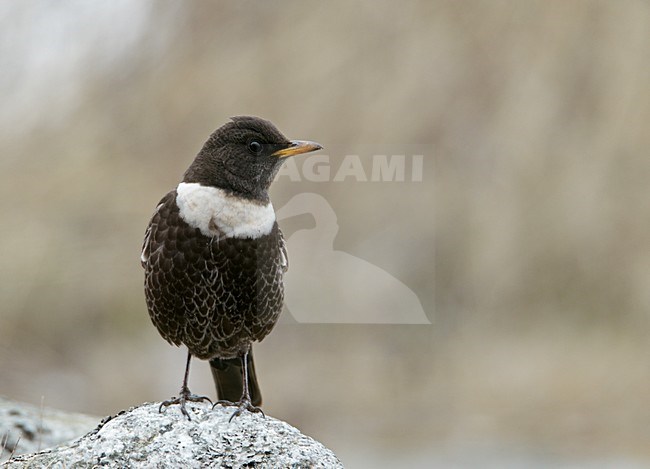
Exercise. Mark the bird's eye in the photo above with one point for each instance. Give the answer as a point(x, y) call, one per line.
point(255, 147)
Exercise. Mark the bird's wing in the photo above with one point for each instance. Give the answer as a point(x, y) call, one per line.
point(151, 229)
point(283, 251)
point(166, 284)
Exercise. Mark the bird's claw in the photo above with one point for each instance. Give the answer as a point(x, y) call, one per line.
point(184, 396)
point(242, 405)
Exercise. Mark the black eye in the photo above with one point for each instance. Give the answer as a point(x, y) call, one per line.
point(255, 147)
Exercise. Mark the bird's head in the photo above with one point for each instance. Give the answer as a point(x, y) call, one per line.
point(243, 156)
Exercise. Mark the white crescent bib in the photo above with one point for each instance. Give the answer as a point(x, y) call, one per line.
point(217, 213)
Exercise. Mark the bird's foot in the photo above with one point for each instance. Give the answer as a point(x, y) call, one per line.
point(184, 396)
point(243, 404)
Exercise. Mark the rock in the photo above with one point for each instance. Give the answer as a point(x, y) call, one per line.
point(143, 437)
point(25, 428)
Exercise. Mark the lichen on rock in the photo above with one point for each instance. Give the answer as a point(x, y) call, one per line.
point(144, 437)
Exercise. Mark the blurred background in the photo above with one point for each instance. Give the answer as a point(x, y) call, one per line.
point(527, 241)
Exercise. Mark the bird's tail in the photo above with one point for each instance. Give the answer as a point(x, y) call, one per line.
point(227, 374)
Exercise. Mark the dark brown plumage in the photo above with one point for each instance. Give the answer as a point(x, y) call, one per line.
point(214, 257)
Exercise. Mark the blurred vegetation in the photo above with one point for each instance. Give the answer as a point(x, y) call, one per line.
point(526, 242)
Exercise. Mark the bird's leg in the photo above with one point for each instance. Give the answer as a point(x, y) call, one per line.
point(185, 394)
point(245, 399)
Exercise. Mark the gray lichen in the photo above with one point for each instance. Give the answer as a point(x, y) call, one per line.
point(143, 437)
point(26, 428)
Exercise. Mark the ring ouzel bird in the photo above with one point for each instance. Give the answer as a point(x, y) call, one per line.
point(214, 257)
